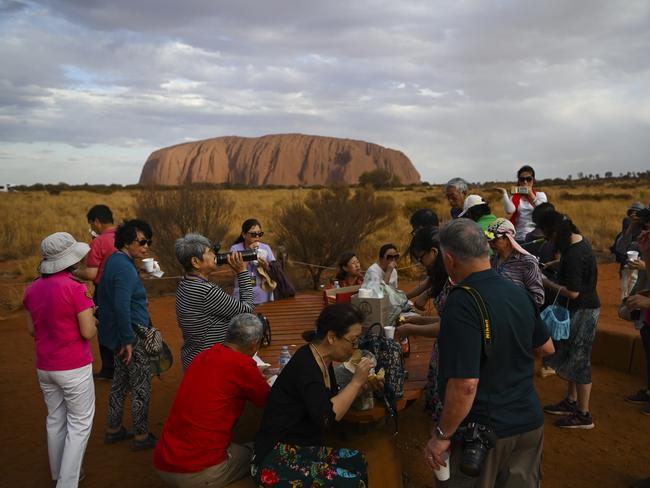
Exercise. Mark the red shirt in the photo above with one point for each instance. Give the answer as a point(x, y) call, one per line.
point(209, 401)
point(101, 248)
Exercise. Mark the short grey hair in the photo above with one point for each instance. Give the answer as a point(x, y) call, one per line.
point(464, 239)
point(244, 329)
point(190, 246)
point(460, 184)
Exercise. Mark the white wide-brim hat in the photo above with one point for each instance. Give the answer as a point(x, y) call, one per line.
point(60, 251)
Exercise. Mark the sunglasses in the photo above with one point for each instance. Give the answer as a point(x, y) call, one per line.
point(144, 242)
point(255, 234)
point(392, 257)
point(526, 179)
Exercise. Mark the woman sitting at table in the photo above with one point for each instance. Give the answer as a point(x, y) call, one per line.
point(349, 273)
point(425, 249)
point(258, 270)
point(304, 401)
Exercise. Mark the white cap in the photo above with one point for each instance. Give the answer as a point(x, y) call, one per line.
point(472, 201)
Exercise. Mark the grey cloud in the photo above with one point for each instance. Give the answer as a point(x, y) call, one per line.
point(460, 86)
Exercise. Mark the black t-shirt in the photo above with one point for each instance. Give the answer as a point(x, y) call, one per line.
point(506, 398)
point(299, 406)
point(578, 272)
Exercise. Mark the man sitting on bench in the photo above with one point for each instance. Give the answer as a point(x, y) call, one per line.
point(195, 448)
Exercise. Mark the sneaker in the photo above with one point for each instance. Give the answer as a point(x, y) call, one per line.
point(576, 420)
point(640, 397)
point(148, 442)
point(120, 435)
point(545, 371)
point(565, 407)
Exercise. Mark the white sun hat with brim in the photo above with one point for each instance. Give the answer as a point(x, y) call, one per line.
point(60, 251)
point(472, 201)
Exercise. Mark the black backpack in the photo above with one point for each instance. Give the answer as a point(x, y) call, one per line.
point(390, 357)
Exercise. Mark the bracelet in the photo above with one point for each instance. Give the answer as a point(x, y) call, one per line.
point(441, 435)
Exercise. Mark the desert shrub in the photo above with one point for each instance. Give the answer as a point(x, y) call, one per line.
point(412, 205)
point(379, 178)
point(329, 222)
point(173, 213)
point(596, 197)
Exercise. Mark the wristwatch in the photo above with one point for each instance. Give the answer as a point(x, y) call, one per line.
point(441, 435)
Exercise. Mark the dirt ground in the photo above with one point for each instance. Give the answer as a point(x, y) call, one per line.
point(613, 454)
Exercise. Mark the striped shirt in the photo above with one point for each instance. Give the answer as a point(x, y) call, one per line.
point(524, 270)
point(203, 311)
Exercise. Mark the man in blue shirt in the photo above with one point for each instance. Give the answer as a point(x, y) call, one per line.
point(486, 374)
point(122, 302)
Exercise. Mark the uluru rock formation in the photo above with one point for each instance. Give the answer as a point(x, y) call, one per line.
point(282, 159)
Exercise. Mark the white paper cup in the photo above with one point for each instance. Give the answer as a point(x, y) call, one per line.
point(443, 473)
point(365, 293)
point(632, 255)
point(149, 264)
point(389, 331)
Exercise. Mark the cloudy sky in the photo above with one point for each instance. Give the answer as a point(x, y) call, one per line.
point(474, 88)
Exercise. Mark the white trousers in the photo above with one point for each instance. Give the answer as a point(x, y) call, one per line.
point(70, 399)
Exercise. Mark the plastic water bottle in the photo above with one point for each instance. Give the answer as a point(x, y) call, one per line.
point(285, 356)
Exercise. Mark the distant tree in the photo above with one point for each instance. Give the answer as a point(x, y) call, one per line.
point(597, 176)
point(570, 177)
point(173, 213)
point(581, 175)
point(608, 174)
point(330, 222)
point(378, 178)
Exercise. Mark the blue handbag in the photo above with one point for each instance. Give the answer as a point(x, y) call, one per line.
point(557, 320)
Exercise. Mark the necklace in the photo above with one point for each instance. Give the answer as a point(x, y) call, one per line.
point(326, 375)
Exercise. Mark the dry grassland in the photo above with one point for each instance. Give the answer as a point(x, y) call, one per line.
point(597, 208)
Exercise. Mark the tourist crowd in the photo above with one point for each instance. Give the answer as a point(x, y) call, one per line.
point(499, 288)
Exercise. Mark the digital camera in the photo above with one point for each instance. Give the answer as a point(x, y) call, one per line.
point(521, 190)
point(477, 440)
point(222, 257)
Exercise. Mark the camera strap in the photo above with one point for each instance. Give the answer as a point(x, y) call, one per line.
point(486, 324)
point(486, 330)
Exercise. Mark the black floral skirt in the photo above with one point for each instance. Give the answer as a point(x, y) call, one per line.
point(292, 466)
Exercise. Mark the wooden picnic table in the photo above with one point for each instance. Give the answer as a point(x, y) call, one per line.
point(290, 317)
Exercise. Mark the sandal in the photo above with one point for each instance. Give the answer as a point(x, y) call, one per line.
point(120, 435)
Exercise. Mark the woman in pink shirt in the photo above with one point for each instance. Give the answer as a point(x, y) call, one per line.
point(61, 321)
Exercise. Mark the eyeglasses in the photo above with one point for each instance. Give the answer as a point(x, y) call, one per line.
point(355, 343)
point(526, 179)
point(145, 242)
point(420, 257)
point(255, 235)
point(392, 257)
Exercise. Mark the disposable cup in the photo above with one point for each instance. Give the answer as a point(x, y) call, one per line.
point(148, 264)
point(632, 255)
point(389, 331)
point(365, 293)
point(443, 473)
